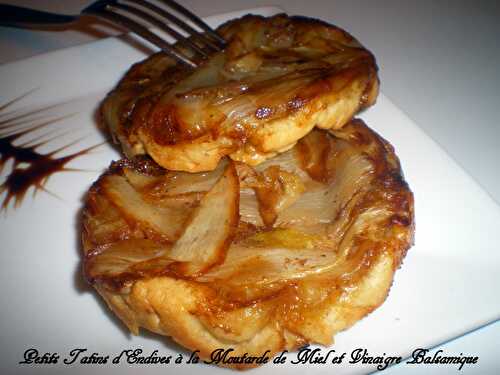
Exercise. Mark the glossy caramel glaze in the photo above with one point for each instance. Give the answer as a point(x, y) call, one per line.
point(278, 78)
point(321, 229)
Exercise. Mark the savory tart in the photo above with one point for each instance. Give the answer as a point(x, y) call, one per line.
point(276, 80)
point(252, 258)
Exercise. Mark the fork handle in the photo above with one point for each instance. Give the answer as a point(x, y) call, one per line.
point(14, 16)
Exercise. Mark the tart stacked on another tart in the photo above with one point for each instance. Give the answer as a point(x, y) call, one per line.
point(252, 213)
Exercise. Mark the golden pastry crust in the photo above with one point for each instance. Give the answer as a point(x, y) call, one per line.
point(278, 78)
point(308, 246)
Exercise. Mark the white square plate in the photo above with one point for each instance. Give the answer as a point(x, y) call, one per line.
point(446, 286)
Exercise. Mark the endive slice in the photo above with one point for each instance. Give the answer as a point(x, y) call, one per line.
point(126, 260)
point(210, 229)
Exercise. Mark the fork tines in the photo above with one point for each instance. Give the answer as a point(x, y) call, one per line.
point(198, 40)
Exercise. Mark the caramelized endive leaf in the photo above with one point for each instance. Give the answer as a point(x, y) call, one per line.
point(128, 259)
point(165, 221)
point(275, 189)
point(273, 256)
point(210, 229)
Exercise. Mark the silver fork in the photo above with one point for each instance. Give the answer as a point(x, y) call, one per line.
point(201, 39)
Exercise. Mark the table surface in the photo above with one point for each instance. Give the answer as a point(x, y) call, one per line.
point(438, 63)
